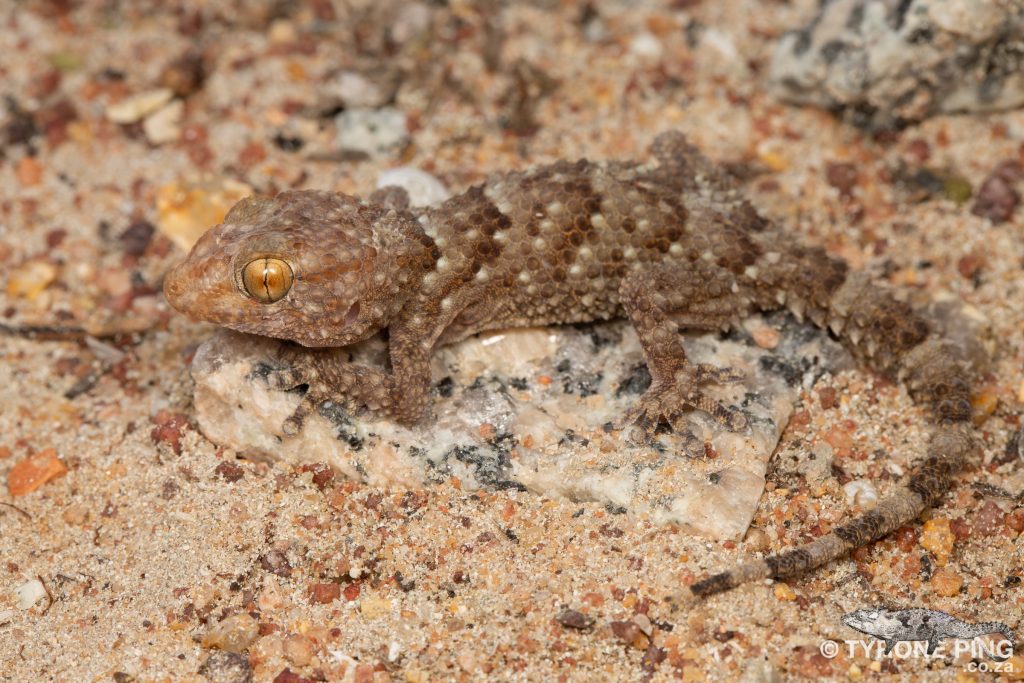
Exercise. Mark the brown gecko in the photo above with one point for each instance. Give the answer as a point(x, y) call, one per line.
point(669, 245)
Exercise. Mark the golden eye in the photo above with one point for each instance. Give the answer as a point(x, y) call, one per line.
point(267, 279)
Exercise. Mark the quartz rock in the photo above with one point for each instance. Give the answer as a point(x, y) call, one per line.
point(885, 63)
point(536, 409)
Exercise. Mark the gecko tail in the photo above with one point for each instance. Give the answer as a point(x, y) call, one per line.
point(898, 342)
point(890, 514)
point(949, 447)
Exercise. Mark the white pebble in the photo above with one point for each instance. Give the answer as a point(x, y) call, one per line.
point(423, 188)
point(29, 593)
point(137, 107)
point(164, 125)
point(371, 130)
point(861, 492)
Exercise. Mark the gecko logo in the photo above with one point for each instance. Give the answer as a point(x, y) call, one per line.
point(907, 633)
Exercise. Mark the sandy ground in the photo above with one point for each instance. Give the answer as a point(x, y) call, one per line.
point(154, 555)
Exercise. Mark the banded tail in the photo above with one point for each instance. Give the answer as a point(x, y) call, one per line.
point(895, 340)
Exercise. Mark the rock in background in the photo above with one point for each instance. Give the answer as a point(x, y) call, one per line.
point(884, 63)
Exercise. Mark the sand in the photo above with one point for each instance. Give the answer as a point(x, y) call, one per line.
point(138, 550)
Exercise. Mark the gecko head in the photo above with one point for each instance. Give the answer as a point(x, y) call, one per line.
point(872, 621)
point(318, 268)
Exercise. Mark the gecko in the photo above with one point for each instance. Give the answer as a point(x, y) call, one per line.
point(894, 626)
point(670, 244)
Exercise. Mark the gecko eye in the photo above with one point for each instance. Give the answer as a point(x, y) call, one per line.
point(267, 279)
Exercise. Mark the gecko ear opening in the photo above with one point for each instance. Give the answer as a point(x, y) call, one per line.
point(267, 279)
point(352, 317)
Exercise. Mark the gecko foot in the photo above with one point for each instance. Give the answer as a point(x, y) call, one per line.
point(672, 399)
point(303, 368)
point(289, 378)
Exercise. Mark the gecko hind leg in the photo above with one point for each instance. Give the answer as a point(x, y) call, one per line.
point(658, 301)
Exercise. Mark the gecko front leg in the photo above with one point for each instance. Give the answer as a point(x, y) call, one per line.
point(658, 303)
point(402, 394)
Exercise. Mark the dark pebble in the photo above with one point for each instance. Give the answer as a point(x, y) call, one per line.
point(226, 667)
point(229, 471)
point(997, 199)
point(275, 562)
point(571, 618)
point(136, 238)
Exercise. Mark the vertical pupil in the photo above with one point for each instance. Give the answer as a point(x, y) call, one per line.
point(266, 278)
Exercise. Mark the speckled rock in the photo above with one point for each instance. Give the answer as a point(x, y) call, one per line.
point(371, 131)
point(534, 409)
point(423, 189)
point(884, 63)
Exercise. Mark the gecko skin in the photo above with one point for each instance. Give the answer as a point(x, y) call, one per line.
point(894, 626)
point(669, 245)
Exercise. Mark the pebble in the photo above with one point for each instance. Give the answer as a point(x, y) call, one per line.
point(757, 540)
point(987, 521)
point(646, 45)
point(164, 125)
point(571, 618)
point(374, 607)
point(30, 279)
point(356, 90)
point(29, 171)
point(298, 649)
point(423, 189)
point(136, 237)
point(842, 176)
point(412, 19)
point(371, 131)
point(233, 634)
point(783, 591)
point(29, 593)
point(184, 75)
point(187, 209)
point(137, 107)
point(766, 337)
point(629, 634)
point(324, 593)
point(862, 493)
point(30, 473)
point(226, 667)
point(938, 538)
point(883, 63)
point(997, 198)
point(946, 582)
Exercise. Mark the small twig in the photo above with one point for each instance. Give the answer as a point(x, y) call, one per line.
point(49, 595)
point(44, 332)
point(18, 509)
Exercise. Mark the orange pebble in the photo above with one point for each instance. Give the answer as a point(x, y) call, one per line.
point(29, 474)
point(29, 171)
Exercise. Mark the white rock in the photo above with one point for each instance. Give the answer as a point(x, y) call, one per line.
point(528, 409)
point(372, 131)
point(423, 188)
point(412, 20)
point(164, 125)
point(646, 45)
point(886, 63)
point(137, 107)
point(356, 90)
point(861, 492)
point(29, 593)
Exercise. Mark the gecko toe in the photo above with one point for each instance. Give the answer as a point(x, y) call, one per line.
point(286, 378)
point(706, 373)
point(310, 403)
